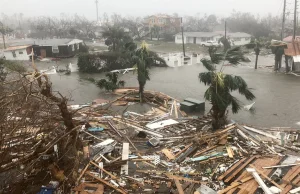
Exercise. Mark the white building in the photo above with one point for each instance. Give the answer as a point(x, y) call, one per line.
point(237, 38)
point(19, 53)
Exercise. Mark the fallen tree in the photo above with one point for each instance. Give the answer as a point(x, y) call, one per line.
point(38, 138)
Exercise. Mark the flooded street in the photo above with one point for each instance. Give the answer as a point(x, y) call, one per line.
point(277, 94)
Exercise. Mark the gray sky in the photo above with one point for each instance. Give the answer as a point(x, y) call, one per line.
point(139, 7)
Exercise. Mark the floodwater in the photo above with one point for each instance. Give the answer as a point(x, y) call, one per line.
point(277, 94)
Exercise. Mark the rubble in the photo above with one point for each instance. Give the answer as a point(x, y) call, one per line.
point(162, 150)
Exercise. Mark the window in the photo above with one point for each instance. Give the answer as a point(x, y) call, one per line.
point(173, 20)
point(237, 39)
point(14, 54)
point(73, 48)
point(179, 37)
point(55, 49)
point(21, 52)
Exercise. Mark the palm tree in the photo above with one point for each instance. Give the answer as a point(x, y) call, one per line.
point(221, 85)
point(141, 58)
point(111, 84)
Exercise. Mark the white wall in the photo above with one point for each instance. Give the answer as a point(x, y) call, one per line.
point(199, 40)
point(241, 42)
point(19, 57)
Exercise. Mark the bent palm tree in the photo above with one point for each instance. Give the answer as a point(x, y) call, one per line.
point(221, 85)
point(141, 58)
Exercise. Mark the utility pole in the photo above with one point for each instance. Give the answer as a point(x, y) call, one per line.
point(182, 38)
point(97, 9)
point(283, 20)
point(225, 29)
point(295, 19)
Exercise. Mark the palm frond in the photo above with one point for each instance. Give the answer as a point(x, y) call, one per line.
point(235, 105)
point(208, 64)
point(205, 77)
point(235, 55)
point(102, 83)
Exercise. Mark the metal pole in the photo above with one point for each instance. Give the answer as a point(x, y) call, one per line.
point(283, 20)
point(225, 29)
point(97, 10)
point(182, 38)
point(295, 19)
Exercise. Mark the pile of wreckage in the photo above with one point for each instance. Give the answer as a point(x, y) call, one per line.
point(163, 150)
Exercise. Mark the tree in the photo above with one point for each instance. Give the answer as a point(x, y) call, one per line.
point(3, 73)
point(116, 38)
point(141, 56)
point(112, 83)
point(221, 85)
point(4, 30)
point(156, 30)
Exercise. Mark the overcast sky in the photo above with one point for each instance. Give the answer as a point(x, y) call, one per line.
point(139, 7)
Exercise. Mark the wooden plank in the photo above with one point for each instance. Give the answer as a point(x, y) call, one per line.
point(105, 182)
point(266, 177)
point(179, 187)
point(205, 150)
point(296, 181)
point(183, 179)
point(231, 169)
point(169, 155)
point(251, 186)
point(82, 173)
point(292, 173)
point(239, 169)
point(230, 152)
point(176, 109)
point(287, 189)
point(186, 147)
point(125, 155)
point(235, 184)
point(112, 176)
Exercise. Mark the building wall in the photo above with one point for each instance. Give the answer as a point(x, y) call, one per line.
point(64, 50)
point(240, 41)
point(199, 40)
point(20, 55)
point(167, 24)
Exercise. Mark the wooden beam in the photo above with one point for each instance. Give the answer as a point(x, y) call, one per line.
point(169, 155)
point(266, 177)
point(179, 187)
point(186, 147)
point(235, 184)
point(112, 176)
point(106, 183)
point(231, 169)
point(82, 172)
point(205, 150)
point(228, 179)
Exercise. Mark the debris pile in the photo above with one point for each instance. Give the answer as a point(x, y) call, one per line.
point(163, 150)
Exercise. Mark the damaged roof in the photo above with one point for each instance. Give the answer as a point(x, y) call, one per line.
point(47, 42)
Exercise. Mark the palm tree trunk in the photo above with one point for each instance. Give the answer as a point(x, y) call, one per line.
point(141, 91)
